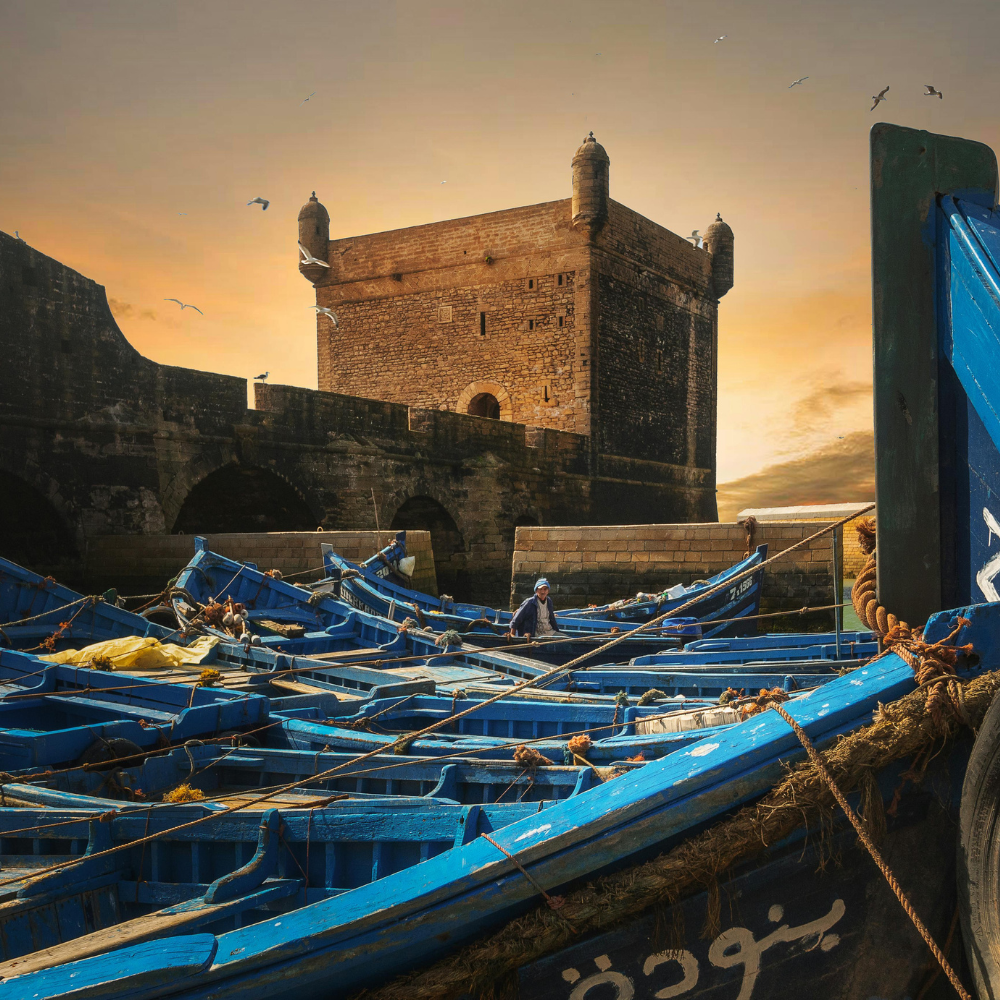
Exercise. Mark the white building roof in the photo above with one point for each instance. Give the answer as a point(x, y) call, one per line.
point(805, 512)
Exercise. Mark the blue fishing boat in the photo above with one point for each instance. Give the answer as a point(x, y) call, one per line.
point(374, 586)
point(52, 714)
point(61, 619)
point(217, 769)
point(330, 898)
point(280, 614)
point(51, 617)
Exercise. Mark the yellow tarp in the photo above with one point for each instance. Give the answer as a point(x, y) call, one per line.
point(137, 653)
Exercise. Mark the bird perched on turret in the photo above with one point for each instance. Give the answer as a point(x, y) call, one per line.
point(261, 378)
point(328, 313)
point(308, 258)
point(260, 201)
point(878, 98)
point(931, 92)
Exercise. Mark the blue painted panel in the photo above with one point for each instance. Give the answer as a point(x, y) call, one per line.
point(969, 390)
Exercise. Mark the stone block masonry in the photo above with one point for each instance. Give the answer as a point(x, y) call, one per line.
point(142, 564)
point(588, 565)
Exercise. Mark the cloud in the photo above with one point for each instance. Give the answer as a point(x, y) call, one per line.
point(840, 472)
point(827, 404)
point(125, 310)
point(824, 399)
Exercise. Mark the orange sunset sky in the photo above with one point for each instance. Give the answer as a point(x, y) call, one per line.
point(134, 133)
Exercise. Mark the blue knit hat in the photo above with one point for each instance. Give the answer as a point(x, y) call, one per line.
point(541, 582)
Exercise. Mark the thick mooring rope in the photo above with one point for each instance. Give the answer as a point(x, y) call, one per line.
point(900, 730)
point(863, 595)
point(904, 902)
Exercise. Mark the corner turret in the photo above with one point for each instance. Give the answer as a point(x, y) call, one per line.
point(590, 186)
point(314, 235)
point(719, 243)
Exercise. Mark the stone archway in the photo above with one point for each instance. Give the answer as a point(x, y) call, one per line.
point(246, 499)
point(32, 532)
point(427, 514)
point(473, 400)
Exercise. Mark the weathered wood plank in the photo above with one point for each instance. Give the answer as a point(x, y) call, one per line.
point(143, 966)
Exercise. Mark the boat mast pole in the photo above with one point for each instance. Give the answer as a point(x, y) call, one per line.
point(838, 590)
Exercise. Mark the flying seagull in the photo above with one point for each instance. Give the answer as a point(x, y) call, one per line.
point(878, 98)
point(261, 378)
point(260, 201)
point(310, 259)
point(329, 313)
point(719, 39)
point(313, 94)
point(931, 92)
point(695, 238)
point(801, 79)
point(185, 305)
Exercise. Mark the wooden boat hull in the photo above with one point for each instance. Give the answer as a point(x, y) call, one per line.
point(814, 918)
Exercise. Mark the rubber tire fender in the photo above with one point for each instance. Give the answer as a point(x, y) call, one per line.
point(978, 863)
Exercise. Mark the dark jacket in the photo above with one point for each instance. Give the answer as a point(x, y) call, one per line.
point(525, 620)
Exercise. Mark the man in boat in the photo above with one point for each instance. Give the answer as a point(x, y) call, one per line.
point(536, 615)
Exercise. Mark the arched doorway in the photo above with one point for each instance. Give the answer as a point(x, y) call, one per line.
point(485, 399)
point(242, 498)
point(485, 404)
point(32, 533)
point(424, 513)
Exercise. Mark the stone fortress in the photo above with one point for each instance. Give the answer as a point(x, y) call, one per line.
point(547, 365)
point(577, 315)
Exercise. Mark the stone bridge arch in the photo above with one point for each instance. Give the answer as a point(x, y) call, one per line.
point(35, 530)
point(244, 498)
point(424, 511)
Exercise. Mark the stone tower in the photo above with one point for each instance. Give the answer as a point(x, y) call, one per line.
point(577, 315)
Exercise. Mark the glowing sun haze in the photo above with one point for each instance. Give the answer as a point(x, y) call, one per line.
point(118, 117)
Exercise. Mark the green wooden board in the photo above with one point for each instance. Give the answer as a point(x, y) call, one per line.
point(909, 169)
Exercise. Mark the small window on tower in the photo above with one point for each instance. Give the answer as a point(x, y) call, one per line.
point(482, 324)
point(559, 279)
point(444, 314)
point(561, 320)
point(531, 324)
point(531, 284)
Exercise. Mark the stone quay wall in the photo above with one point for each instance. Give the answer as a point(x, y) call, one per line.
point(596, 565)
